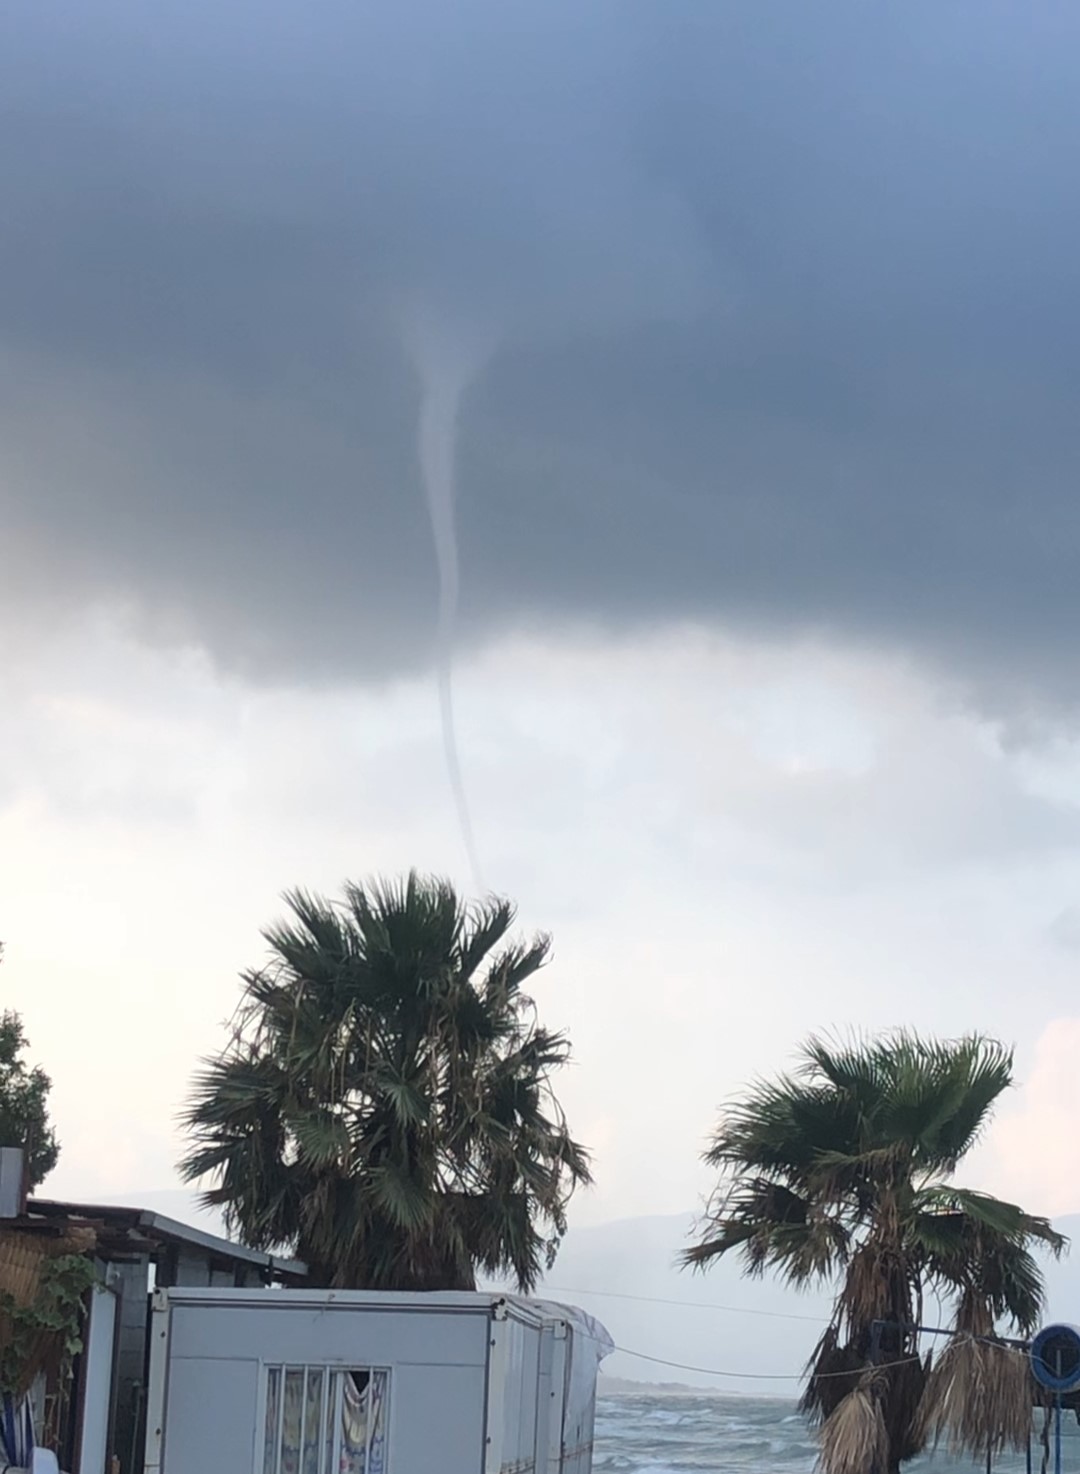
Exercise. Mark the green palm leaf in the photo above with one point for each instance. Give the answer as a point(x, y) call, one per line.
point(386, 1108)
point(840, 1173)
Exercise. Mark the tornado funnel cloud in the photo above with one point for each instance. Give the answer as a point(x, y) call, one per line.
point(447, 361)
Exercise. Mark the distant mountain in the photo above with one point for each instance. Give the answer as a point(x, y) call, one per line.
point(719, 1320)
point(682, 1326)
point(626, 1274)
point(618, 1387)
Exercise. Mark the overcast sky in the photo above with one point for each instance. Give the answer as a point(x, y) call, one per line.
point(765, 318)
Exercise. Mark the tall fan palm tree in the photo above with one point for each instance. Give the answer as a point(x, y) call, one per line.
point(385, 1108)
point(840, 1173)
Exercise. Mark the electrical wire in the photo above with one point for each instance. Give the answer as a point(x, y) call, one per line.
point(680, 1366)
point(817, 1320)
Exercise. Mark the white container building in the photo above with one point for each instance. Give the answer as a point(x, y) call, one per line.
point(294, 1381)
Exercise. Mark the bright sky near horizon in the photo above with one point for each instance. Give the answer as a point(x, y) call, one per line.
point(766, 689)
point(733, 845)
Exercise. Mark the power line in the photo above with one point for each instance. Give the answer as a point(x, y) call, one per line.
point(681, 1366)
point(817, 1320)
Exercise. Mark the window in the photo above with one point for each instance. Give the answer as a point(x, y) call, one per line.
point(325, 1420)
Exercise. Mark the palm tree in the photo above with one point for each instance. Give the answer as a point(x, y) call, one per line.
point(385, 1109)
point(840, 1174)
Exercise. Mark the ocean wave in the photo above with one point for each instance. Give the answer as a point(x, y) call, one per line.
point(705, 1434)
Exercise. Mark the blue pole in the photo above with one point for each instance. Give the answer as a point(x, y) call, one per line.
point(1057, 1436)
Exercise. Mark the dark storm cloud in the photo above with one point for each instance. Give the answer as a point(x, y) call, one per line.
point(787, 299)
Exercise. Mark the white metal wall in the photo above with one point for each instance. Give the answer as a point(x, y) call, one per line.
point(98, 1358)
point(513, 1391)
point(477, 1384)
point(579, 1403)
point(215, 1382)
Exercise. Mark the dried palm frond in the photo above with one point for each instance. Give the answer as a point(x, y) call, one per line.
point(854, 1438)
point(876, 1287)
point(900, 1402)
point(979, 1398)
point(832, 1372)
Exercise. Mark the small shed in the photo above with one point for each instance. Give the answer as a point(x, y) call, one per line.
point(366, 1382)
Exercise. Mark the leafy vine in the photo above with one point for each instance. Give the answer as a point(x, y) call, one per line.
point(47, 1333)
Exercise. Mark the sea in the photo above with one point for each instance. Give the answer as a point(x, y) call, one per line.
point(686, 1433)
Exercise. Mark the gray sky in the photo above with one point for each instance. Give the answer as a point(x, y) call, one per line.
point(785, 301)
point(766, 511)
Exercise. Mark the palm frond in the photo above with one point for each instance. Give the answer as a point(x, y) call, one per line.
point(835, 1368)
point(837, 1172)
point(489, 924)
point(854, 1069)
point(854, 1438)
point(990, 1213)
point(978, 1246)
point(979, 1399)
point(975, 1071)
point(773, 1228)
point(321, 1137)
point(386, 1105)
